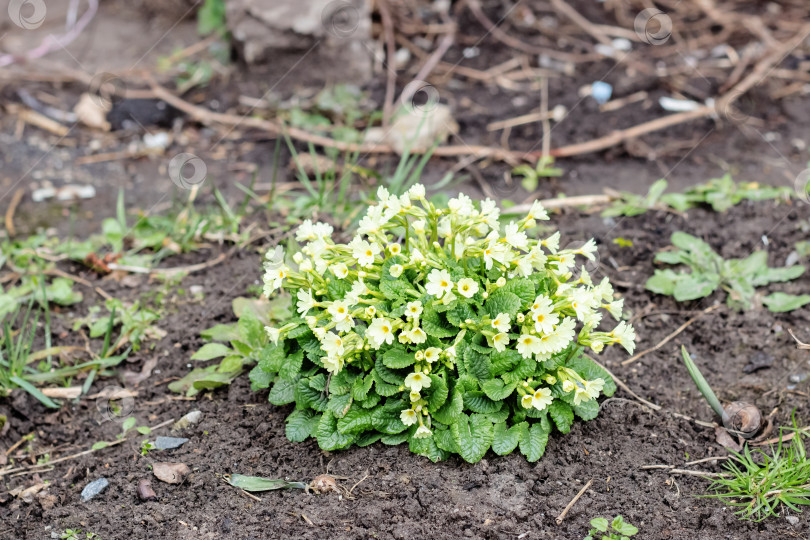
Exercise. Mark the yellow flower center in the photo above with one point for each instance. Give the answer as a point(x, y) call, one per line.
point(443, 283)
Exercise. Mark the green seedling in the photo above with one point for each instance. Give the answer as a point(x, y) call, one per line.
point(532, 175)
point(763, 485)
point(618, 529)
point(630, 204)
point(709, 272)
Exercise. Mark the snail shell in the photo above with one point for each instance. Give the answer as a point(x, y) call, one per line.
point(743, 418)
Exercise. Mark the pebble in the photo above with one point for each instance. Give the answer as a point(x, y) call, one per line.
point(168, 443)
point(94, 488)
point(793, 520)
point(798, 378)
point(190, 419)
point(145, 491)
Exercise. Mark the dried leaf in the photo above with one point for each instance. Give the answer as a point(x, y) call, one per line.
point(257, 483)
point(171, 473)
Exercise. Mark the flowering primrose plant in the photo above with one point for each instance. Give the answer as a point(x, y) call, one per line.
point(441, 327)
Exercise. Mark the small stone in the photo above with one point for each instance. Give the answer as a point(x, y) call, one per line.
point(793, 520)
point(145, 491)
point(190, 419)
point(168, 443)
point(758, 361)
point(94, 488)
point(171, 473)
point(801, 377)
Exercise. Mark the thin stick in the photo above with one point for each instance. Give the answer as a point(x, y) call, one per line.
point(80, 454)
point(178, 269)
point(582, 491)
point(667, 339)
point(12, 207)
point(626, 388)
point(562, 202)
point(391, 47)
point(671, 470)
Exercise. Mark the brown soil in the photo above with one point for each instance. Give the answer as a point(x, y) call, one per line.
point(405, 496)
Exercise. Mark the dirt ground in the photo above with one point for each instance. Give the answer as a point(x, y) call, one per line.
point(402, 495)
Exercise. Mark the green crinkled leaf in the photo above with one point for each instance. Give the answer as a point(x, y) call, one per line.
point(362, 386)
point(444, 440)
point(473, 436)
point(562, 414)
point(777, 275)
point(339, 405)
point(587, 410)
point(329, 438)
point(250, 330)
point(437, 393)
point(504, 361)
point(307, 397)
point(341, 383)
point(356, 420)
point(398, 358)
point(283, 392)
point(209, 351)
point(779, 302)
point(368, 438)
point(523, 288)
point(337, 288)
point(505, 439)
point(260, 379)
point(318, 382)
point(501, 301)
point(302, 424)
point(497, 390)
point(427, 447)
point(291, 366)
point(588, 370)
point(433, 324)
point(663, 282)
point(387, 375)
point(525, 369)
point(692, 286)
point(533, 443)
point(478, 365)
point(383, 388)
point(385, 418)
point(451, 410)
point(394, 289)
point(480, 403)
point(460, 313)
point(395, 438)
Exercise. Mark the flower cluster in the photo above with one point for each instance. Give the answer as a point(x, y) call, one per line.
point(442, 327)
